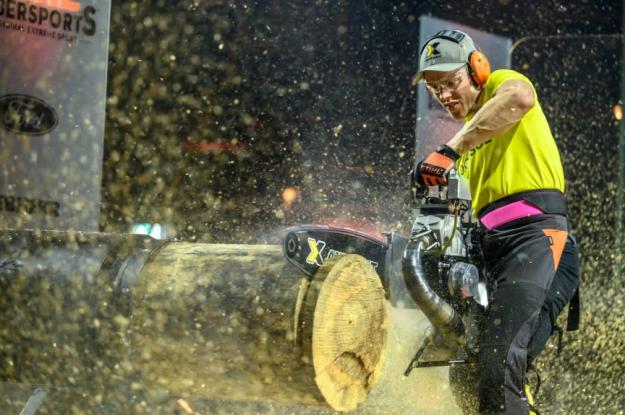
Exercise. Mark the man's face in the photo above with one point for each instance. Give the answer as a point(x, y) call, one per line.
point(453, 89)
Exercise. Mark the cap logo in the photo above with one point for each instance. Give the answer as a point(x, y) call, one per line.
point(431, 51)
point(452, 35)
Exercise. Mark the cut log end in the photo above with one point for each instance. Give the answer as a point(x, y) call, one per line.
point(349, 331)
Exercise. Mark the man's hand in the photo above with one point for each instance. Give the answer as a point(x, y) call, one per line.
point(433, 170)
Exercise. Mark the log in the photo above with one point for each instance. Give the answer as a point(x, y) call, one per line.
point(237, 322)
point(348, 333)
point(123, 324)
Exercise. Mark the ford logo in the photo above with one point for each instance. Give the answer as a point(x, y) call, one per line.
point(23, 114)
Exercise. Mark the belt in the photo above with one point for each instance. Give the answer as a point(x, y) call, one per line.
point(508, 213)
point(522, 205)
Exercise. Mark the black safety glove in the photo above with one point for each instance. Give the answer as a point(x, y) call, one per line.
point(417, 187)
point(434, 168)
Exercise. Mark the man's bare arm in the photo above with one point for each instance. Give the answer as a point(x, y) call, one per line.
point(512, 100)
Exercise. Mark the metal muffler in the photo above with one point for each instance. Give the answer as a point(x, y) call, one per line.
point(442, 315)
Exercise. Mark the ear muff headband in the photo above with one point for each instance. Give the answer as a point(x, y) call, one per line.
point(478, 65)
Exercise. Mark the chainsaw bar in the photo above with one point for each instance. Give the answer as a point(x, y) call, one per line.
point(309, 246)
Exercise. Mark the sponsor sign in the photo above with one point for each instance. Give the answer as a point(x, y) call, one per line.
point(53, 65)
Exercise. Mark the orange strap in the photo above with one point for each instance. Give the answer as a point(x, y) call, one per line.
point(557, 239)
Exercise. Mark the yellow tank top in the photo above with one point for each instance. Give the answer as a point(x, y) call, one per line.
point(524, 158)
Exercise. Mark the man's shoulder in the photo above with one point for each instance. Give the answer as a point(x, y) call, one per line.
point(501, 75)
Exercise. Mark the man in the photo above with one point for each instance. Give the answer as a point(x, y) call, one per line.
point(507, 152)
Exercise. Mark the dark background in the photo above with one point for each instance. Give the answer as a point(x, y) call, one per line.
point(216, 107)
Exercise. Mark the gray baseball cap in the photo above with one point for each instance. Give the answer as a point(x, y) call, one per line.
point(445, 51)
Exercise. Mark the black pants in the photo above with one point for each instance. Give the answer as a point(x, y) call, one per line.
point(521, 259)
point(565, 284)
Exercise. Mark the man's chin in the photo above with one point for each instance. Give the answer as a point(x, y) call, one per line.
point(457, 115)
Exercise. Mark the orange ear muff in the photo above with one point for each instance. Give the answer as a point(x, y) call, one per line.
point(479, 67)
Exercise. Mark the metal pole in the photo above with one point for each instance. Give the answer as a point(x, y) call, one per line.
point(34, 402)
point(619, 263)
point(554, 37)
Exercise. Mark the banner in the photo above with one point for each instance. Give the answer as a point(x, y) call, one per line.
point(434, 125)
point(53, 67)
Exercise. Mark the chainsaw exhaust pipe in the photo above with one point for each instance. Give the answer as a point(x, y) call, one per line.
point(443, 317)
